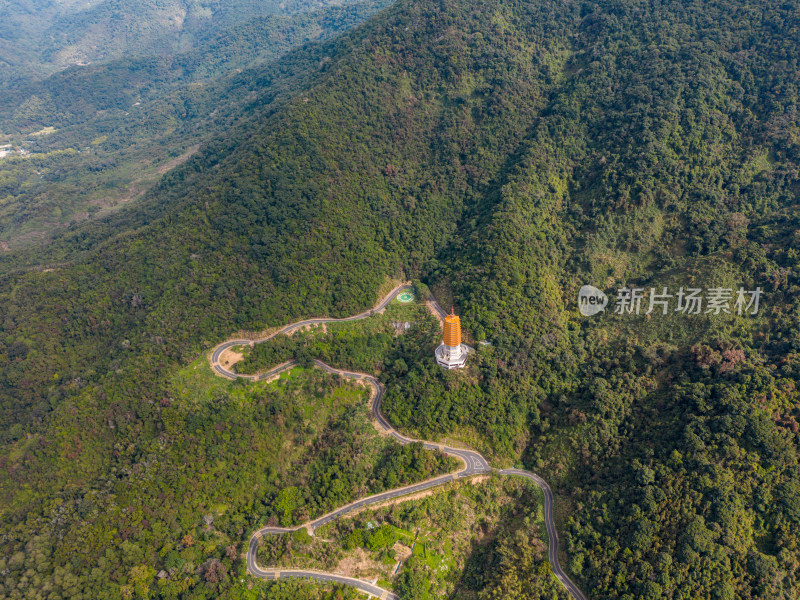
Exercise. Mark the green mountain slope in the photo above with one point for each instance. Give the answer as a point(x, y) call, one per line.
point(40, 37)
point(95, 138)
point(77, 94)
point(508, 153)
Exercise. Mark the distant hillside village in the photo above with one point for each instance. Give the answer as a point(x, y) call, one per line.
point(10, 149)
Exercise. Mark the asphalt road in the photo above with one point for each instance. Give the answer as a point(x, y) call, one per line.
point(364, 586)
point(474, 464)
point(216, 354)
point(552, 534)
point(442, 312)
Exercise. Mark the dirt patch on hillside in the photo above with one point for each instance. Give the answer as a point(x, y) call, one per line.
point(409, 498)
point(401, 552)
point(359, 564)
point(168, 166)
point(425, 493)
point(417, 496)
point(378, 428)
point(435, 313)
point(230, 357)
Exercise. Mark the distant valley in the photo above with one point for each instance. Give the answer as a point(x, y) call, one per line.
point(40, 37)
point(88, 140)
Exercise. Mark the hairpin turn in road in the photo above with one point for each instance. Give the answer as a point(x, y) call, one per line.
point(474, 464)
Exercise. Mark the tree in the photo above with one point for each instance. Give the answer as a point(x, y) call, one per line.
point(215, 572)
point(413, 583)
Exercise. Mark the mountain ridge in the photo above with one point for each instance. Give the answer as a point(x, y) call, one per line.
point(506, 153)
point(60, 34)
point(96, 138)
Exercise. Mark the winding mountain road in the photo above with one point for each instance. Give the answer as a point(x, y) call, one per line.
point(474, 464)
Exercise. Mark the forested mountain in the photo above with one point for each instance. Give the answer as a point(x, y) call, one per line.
point(39, 37)
point(77, 94)
point(506, 153)
point(89, 139)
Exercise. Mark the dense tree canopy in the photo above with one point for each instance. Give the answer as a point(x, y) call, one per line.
point(507, 153)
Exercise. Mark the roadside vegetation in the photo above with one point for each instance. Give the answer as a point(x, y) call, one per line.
point(454, 542)
point(236, 457)
point(361, 345)
point(441, 401)
point(506, 153)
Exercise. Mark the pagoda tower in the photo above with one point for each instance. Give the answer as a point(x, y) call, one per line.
point(451, 353)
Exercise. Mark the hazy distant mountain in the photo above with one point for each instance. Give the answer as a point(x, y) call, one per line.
point(89, 139)
point(38, 37)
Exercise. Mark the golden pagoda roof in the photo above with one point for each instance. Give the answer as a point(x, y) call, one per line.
point(452, 330)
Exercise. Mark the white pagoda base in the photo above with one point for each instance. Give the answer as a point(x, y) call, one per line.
point(451, 357)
